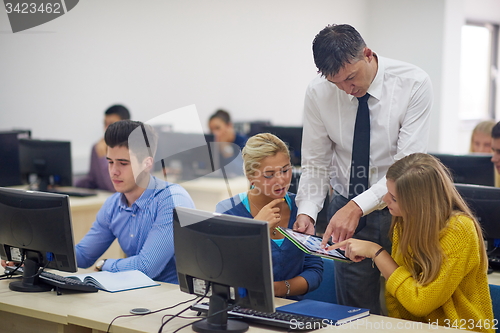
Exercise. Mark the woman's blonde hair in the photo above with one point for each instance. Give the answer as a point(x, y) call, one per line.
point(484, 127)
point(259, 147)
point(427, 198)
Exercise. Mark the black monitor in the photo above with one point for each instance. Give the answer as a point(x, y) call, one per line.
point(233, 255)
point(49, 161)
point(469, 169)
point(292, 136)
point(484, 202)
point(36, 227)
point(9, 156)
point(192, 155)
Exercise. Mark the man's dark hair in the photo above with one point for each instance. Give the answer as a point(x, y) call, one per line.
point(335, 46)
point(143, 143)
point(118, 109)
point(495, 131)
point(222, 115)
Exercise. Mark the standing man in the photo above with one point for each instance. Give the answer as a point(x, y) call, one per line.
point(140, 214)
point(361, 114)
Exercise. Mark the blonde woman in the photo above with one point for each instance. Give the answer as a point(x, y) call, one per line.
point(267, 166)
point(480, 141)
point(437, 271)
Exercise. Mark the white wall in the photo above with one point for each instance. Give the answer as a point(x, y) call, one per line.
point(251, 57)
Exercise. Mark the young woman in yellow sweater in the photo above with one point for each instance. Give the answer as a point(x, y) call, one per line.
point(437, 271)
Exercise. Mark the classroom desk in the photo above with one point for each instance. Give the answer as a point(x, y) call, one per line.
point(92, 313)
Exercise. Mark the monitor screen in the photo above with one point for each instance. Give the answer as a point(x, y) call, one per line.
point(484, 202)
point(232, 254)
point(35, 228)
point(49, 161)
point(292, 136)
point(469, 169)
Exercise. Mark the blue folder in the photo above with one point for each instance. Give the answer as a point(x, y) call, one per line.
point(334, 314)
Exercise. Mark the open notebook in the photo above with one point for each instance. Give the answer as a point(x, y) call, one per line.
point(117, 281)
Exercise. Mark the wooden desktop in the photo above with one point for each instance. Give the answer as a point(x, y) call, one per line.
point(92, 312)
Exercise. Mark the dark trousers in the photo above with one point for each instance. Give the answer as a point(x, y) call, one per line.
point(358, 284)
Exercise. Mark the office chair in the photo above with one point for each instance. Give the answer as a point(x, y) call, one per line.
point(326, 290)
point(495, 300)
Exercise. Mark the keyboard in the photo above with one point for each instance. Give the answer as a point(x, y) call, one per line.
point(58, 281)
point(289, 321)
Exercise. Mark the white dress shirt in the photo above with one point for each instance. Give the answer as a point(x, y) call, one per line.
point(400, 103)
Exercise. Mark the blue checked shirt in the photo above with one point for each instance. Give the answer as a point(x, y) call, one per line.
point(144, 232)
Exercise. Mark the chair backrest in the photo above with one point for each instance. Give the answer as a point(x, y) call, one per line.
point(495, 300)
point(326, 290)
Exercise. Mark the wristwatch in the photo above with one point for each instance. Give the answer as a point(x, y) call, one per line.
point(99, 264)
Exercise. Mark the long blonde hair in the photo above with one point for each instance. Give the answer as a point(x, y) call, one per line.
point(259, 147)
point(427, 199)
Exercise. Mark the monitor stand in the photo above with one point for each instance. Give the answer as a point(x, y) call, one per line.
point(217, 320)
point(30, 282)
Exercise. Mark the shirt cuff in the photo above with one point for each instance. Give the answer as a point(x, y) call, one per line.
point(308, 208)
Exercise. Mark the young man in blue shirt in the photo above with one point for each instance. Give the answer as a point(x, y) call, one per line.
point(140, 214)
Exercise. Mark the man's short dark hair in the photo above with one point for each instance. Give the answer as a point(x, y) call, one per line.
point(143, 144)
point(335, 46)
point(495, 131)
point(119, 110)
point(222, 115)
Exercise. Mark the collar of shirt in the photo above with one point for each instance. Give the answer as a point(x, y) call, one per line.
point(155, 185)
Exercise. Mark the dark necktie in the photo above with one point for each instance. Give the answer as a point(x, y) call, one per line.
point(360, 161)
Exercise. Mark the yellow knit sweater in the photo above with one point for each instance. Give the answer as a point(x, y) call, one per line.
point(459, 297)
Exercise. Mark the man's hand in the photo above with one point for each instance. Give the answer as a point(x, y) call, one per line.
point(304, 224)
point(343, 224)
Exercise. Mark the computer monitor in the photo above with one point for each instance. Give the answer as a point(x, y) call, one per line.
point(49, 161)
point(233, 255)
point(36, 226)
point(193, 155)
point(485, 204)
point(292, 136)
point(9, 156)
point(469, 169)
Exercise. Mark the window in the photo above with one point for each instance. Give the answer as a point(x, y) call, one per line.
point(478, 72)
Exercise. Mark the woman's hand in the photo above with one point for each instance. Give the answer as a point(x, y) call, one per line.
point(356, 249)
point(270, 213)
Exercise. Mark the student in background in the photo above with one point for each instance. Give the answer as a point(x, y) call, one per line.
point(139, 215)
point(437, 270)
point(495, 147)
point(480, 141)
point(223, 130)
point(267, 166)
point(98, 176)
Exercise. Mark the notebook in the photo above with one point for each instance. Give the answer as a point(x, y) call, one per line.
point(117, 281)
point(334, 314)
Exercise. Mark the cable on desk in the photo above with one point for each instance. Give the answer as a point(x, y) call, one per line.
point(11, 274)
point(145, 314)
point(177, 315)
